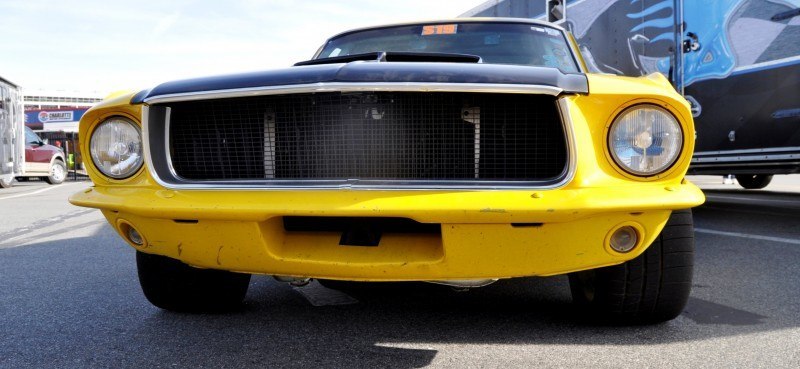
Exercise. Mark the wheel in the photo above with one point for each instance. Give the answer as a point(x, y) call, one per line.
point(753, 181)
point(6, 183)
point(171, 285)
point(58, 172)
point(651, 288)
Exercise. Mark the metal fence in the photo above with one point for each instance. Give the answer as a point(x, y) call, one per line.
point(70, 144)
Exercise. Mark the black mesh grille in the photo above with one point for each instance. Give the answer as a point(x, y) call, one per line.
point(389, 136)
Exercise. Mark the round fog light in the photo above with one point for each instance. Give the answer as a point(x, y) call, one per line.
point(624, 239)
point(134, 236)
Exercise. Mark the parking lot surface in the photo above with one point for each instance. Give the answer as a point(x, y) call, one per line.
point(69, 297)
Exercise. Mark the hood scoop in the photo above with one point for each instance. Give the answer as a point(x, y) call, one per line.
point(396, 56)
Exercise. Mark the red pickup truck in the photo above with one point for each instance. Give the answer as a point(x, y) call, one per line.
point(42, 160)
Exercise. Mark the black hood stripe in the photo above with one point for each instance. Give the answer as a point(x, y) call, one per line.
point(371, 72)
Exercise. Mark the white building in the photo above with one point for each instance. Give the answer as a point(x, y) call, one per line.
point(59, 99)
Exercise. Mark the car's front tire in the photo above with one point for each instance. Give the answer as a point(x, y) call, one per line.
point(58, 173)
point(652, 288)
point(172, 285)
point(6, 183)
point(754, 181)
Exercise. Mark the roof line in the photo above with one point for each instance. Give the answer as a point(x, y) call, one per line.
point(8, 82)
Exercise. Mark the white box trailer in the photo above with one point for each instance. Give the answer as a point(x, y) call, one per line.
point(12, 133)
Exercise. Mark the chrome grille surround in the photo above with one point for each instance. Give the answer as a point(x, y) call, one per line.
point(160, 161)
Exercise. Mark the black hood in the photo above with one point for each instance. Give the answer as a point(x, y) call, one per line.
point(387, 72)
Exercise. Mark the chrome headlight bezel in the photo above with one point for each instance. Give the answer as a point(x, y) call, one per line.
point(133, 145)
point(675, 143)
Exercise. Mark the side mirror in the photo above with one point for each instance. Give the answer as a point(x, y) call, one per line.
point(556, 11)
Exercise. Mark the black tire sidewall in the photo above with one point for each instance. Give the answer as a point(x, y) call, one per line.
point(172, 285)
point(654, 287)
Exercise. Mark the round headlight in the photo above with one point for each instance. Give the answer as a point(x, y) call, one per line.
point(116, 147)
point(645, 140)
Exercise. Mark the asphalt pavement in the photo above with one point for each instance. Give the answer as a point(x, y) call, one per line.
point(69, 298)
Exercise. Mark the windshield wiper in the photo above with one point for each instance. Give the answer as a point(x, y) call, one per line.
point(785, 15)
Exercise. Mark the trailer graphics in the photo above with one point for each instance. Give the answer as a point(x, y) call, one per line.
point(736, 61)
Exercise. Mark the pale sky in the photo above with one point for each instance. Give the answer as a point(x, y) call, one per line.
point(104, 45)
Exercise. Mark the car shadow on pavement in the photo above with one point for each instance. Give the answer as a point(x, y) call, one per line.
point(77, 302)
point(707, 312)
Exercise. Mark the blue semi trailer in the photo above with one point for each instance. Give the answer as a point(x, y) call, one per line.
point(736, 61)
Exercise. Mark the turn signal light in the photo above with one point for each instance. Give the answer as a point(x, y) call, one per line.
point(624, 239)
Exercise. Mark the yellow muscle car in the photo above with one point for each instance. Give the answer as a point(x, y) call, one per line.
point(458, 152)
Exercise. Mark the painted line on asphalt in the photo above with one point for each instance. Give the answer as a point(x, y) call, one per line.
point(749, 236)
point(751, 199)
point(22, 240)
point(15, 234)
point(48, 188)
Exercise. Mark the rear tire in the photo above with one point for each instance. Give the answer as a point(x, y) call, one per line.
point(6, 183)
point(652, 288)
point(172, 285)
point(58, 173)
point(754, 181)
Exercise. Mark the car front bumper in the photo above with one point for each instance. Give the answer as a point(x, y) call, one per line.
point(484, 234)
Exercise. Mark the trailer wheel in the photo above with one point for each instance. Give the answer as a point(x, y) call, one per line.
point(172, 285)
point(754, 181)
point(651, 288)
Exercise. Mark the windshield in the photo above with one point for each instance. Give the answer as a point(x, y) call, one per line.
point(31, 137)
point(496, 43)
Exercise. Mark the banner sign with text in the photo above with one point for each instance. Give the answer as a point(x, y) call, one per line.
point(53, 116)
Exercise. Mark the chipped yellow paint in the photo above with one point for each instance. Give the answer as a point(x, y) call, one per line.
point(243, 230)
